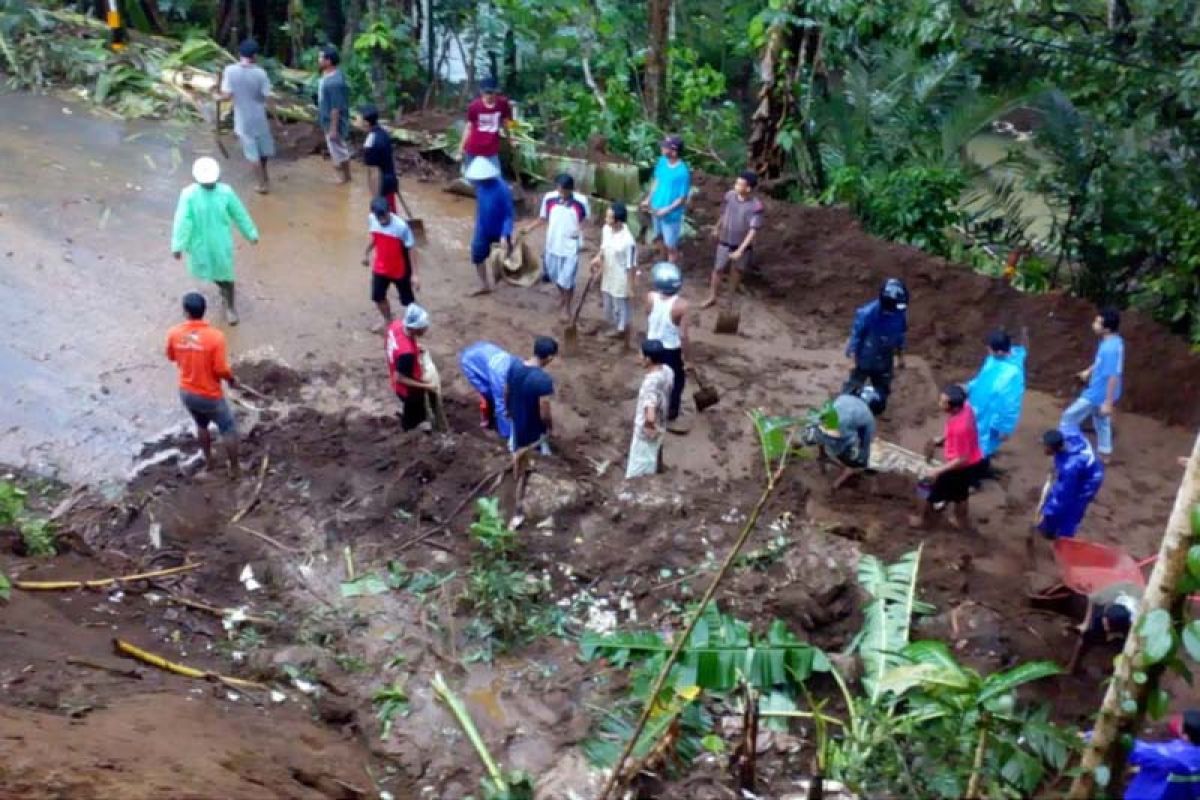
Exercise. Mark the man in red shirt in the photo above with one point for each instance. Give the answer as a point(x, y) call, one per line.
point(487, 116)
point(404, 364)
point(198, 350)
point(395, 259)
point(951, 482)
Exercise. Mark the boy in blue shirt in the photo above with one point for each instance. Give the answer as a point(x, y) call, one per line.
point(1103, 379)
point(668, 195)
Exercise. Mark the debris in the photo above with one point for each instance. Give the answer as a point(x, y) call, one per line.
point(262, 474)
point(269, 540)
point(126, 649)
point(230, 616)
point(370, 584)
point(50, 586)
point(248, 580)
point(155, 535)
point(124, 673)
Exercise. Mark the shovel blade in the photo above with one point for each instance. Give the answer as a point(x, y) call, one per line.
point(417, 226)
point(571, 340)
point(727, 321)
point(706, 397)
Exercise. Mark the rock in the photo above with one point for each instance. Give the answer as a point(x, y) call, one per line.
point(571, 776)
point(820, 570)
point(547, 496)
point(335, 710)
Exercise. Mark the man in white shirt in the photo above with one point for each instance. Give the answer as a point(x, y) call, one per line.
point(563, 213)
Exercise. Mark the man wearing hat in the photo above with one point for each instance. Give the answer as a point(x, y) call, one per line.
point(494, 214)
point(1078, 476)
point(404, 365)
point(487, 116)
point(667, 197)
point(201, 229)
point(247, 85)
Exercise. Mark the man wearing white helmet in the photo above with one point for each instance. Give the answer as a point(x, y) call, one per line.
point(848, 439)
point(668, 324)
point(201, 229)
point(404, 364)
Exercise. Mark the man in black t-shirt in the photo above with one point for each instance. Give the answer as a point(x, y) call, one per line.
point(377, 154)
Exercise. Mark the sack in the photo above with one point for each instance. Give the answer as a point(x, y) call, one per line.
point(522, 268)
point(429, 372)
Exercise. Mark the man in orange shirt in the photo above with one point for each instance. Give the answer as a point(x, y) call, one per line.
point(198, 349)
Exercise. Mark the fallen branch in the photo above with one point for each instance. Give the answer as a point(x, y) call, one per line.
point(441, 526)
point(215, 610)
point(262, 475)
point(124, 673)
point(55, 586)
point(126, 649)
point(270, 540)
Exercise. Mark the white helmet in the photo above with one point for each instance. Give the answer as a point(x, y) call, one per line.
point(206, 170)
point(667, 278)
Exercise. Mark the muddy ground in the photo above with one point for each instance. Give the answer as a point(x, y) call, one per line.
point(329, 472)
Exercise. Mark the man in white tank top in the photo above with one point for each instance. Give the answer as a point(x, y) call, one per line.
point(668, 323)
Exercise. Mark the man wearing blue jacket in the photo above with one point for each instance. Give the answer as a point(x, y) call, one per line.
point(997, 392)
point(1078, 475)
point(877, 339)
point(486, 366)
point(1167, 770)
point(494, 215)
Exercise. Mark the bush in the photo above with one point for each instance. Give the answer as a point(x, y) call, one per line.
point(915, 205)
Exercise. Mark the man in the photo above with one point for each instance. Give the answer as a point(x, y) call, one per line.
point(951, 482)
point(486, 366)
point(404, 365)
point(1109, 616)
point(333, 111)
point(487, 117)
point(527, 396)
point(1078, 476)
point(849, 443)
point(201, 230)
point(198, 350)
point(997, 392)
point(247, 85)
point(645, 449)
point(1104, 383)
point(668, 323)
point(494, 215)
point(615, 264)
point(377, 155)
point(736, 228)
point(395, 259)
point(563, 213)
point(667, 197)
point(1168, 770)
point(877, 339)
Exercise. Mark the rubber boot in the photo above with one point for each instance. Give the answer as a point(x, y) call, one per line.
point(227, 298)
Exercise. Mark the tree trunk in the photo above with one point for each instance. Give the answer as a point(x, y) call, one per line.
point(787, 51)
point(354, 11)
point(335, 21)
point(655, 97)
point(1161, 592)
point(510, 57)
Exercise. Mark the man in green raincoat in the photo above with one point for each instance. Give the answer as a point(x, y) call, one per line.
point(202, 230)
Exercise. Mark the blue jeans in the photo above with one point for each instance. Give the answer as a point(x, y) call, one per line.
point(1079, 411)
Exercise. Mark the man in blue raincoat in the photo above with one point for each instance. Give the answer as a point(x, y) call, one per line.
point(1078, 475)
point(997, 391)
point(494, 215)
point(877, 340)
point(486, 366)
point(1167, 770)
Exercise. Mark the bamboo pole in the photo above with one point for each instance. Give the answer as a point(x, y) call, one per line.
point(1160, 593)
point(126, 649)
point(53, 586)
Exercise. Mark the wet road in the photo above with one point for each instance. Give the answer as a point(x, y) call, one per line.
point(88, 286)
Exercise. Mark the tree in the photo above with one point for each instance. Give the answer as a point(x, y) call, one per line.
point(657, 59)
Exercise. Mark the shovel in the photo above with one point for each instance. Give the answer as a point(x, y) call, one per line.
point(571, 332)
point(417, 226)
point(217, 129)
point(727, 320)
point(705, 396)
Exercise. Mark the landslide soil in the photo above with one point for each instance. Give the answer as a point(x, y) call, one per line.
point(329, 472)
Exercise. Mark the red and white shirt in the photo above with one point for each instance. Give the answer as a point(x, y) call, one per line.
point(403, 355)
point(564, 219)
point(392, 243)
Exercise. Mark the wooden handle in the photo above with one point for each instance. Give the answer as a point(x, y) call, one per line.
point(587, 287)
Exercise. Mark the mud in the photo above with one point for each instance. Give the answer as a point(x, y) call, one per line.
point(338, 476)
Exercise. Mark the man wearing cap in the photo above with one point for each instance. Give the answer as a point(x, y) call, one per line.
point(667, 197)
point(997, 392)
point(201, 229)
point(198, 350)
point(527, 394)
point(395, 262)
point(1078, 476)
point(333, 111)
point(494, 215)
point(404, 365)
point(487, 117)
point(247, 85)
point(378, 157)
point(877, 338)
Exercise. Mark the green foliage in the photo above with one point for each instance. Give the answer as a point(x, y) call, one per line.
point(5, 587)
point(508, 602)
point(37, 533)
point(390, 701)
point(887, 617)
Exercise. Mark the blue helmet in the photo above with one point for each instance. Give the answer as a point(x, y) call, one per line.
point(894, 295)
point(667, 278)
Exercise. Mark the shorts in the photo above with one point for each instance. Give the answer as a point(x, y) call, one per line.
point(725, 260)
point(256, 148)
point(413, 413)
point(955, 486)
point(339, 151)
point(205, 410)
point(561, 269)
point(669, 232)
point(380, 284)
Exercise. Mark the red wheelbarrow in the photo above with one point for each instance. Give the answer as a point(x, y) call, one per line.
point(1085, 567)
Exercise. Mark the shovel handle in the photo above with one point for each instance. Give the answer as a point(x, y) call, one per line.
point(587, 287)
